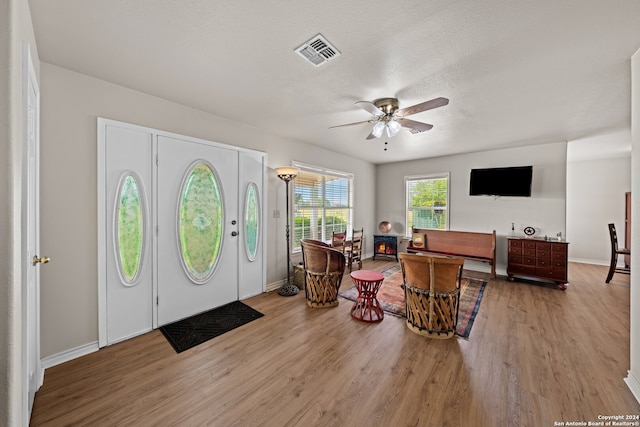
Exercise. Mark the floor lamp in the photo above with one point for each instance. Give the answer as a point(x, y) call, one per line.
point(287, 174)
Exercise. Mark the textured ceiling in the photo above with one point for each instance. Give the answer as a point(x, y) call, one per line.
point(516, 72)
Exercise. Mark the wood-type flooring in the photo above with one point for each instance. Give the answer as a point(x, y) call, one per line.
point(536, 356)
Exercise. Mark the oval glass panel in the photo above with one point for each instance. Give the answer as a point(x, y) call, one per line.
point(200, 222)
point(251, 221)
point(129, 228)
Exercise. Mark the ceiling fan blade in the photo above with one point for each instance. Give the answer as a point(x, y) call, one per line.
point(351, 124)
point(370, 107)
point(424, 106)
point(371, 136)
point(413, 126)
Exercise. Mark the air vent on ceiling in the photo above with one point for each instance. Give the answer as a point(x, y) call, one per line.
point(318, 51)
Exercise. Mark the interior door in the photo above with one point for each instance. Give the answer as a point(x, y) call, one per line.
point(197, 235)
point(32, 374)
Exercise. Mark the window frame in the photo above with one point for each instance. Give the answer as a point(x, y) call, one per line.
point(424, 177)
point(324, 172)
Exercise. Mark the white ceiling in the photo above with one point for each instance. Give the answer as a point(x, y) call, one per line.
point(516, 72)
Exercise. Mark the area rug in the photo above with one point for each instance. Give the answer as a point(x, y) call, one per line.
point(187, 333)
point(391, 297)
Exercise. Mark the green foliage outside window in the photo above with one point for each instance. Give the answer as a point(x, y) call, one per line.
point(427, 206)
point(302, 228)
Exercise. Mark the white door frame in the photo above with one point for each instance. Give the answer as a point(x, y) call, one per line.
point(102, 217)
point(30, 219)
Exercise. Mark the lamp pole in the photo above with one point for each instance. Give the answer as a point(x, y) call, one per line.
point(288, 174)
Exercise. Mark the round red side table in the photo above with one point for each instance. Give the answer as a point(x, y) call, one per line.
point(367, 307)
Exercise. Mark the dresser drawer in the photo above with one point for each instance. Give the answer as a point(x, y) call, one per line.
point(560, 256)
point(552, 273)
point(559, 263)
point(515, 243)
point(528, 244)
point(559, 247)
point(529, 252)
point(525, 270)
point(543, 262)
point(515, 259)
point(528, 260)
point(515, 250)
point(543, 246)
point(543, 254)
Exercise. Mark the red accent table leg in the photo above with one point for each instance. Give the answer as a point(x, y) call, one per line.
point(367, 307)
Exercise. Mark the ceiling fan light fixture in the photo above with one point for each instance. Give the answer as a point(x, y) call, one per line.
point(393, 127)
point(378, 128)
point(388, 116)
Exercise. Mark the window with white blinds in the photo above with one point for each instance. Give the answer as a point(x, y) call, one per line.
point(322, 203)
point(427, 202)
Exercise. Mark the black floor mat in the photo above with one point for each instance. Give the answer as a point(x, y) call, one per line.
point(187, 333)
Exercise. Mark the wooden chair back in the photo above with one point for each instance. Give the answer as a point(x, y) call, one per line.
point(434, 273)
point(613, 236)
point(355, 248)
point(338, 240)
point(324, 267)
point(432, 290)
point(615, 250)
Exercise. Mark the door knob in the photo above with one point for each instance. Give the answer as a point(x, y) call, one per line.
point(234, 233)
point(43, 260)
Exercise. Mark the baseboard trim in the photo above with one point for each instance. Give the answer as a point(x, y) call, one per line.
point(595, 261)
point(274, 286)
point(68, 355)
point(633, 384)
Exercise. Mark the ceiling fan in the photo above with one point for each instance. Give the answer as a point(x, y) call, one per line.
point(388, 117)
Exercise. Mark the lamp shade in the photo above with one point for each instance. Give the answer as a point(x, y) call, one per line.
point(393, 128)
point(378, 128)
point(287, 173)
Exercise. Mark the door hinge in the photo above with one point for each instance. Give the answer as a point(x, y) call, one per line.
point(156, 160)
point(157, 229)
point(157, 300)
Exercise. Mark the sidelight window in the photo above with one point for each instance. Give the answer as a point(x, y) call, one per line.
point(129, 228)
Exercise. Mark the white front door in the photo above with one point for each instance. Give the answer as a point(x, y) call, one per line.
point(32, 374)
point(198, 225)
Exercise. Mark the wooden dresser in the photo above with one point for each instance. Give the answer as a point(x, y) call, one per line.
point(538, 259)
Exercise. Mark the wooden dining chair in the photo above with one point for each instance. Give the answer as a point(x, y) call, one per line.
point(615, 251)
point(353, 252)
point(338, 240)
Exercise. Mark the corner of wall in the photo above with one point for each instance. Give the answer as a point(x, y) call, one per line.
point(634, 370)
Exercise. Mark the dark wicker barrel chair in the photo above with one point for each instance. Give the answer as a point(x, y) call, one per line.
point(324, 268)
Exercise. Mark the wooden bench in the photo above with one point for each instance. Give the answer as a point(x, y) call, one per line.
point(467, 244)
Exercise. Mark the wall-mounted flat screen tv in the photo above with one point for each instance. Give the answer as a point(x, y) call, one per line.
point(512, 181)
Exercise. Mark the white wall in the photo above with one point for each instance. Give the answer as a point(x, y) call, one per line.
point(71, 102)
point(633, 377)
point(15, 29)
point(545, 210)
point(596, 197)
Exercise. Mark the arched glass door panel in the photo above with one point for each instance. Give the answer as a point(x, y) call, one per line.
point(129, 228)
point(251, 221)
point(200, 222)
